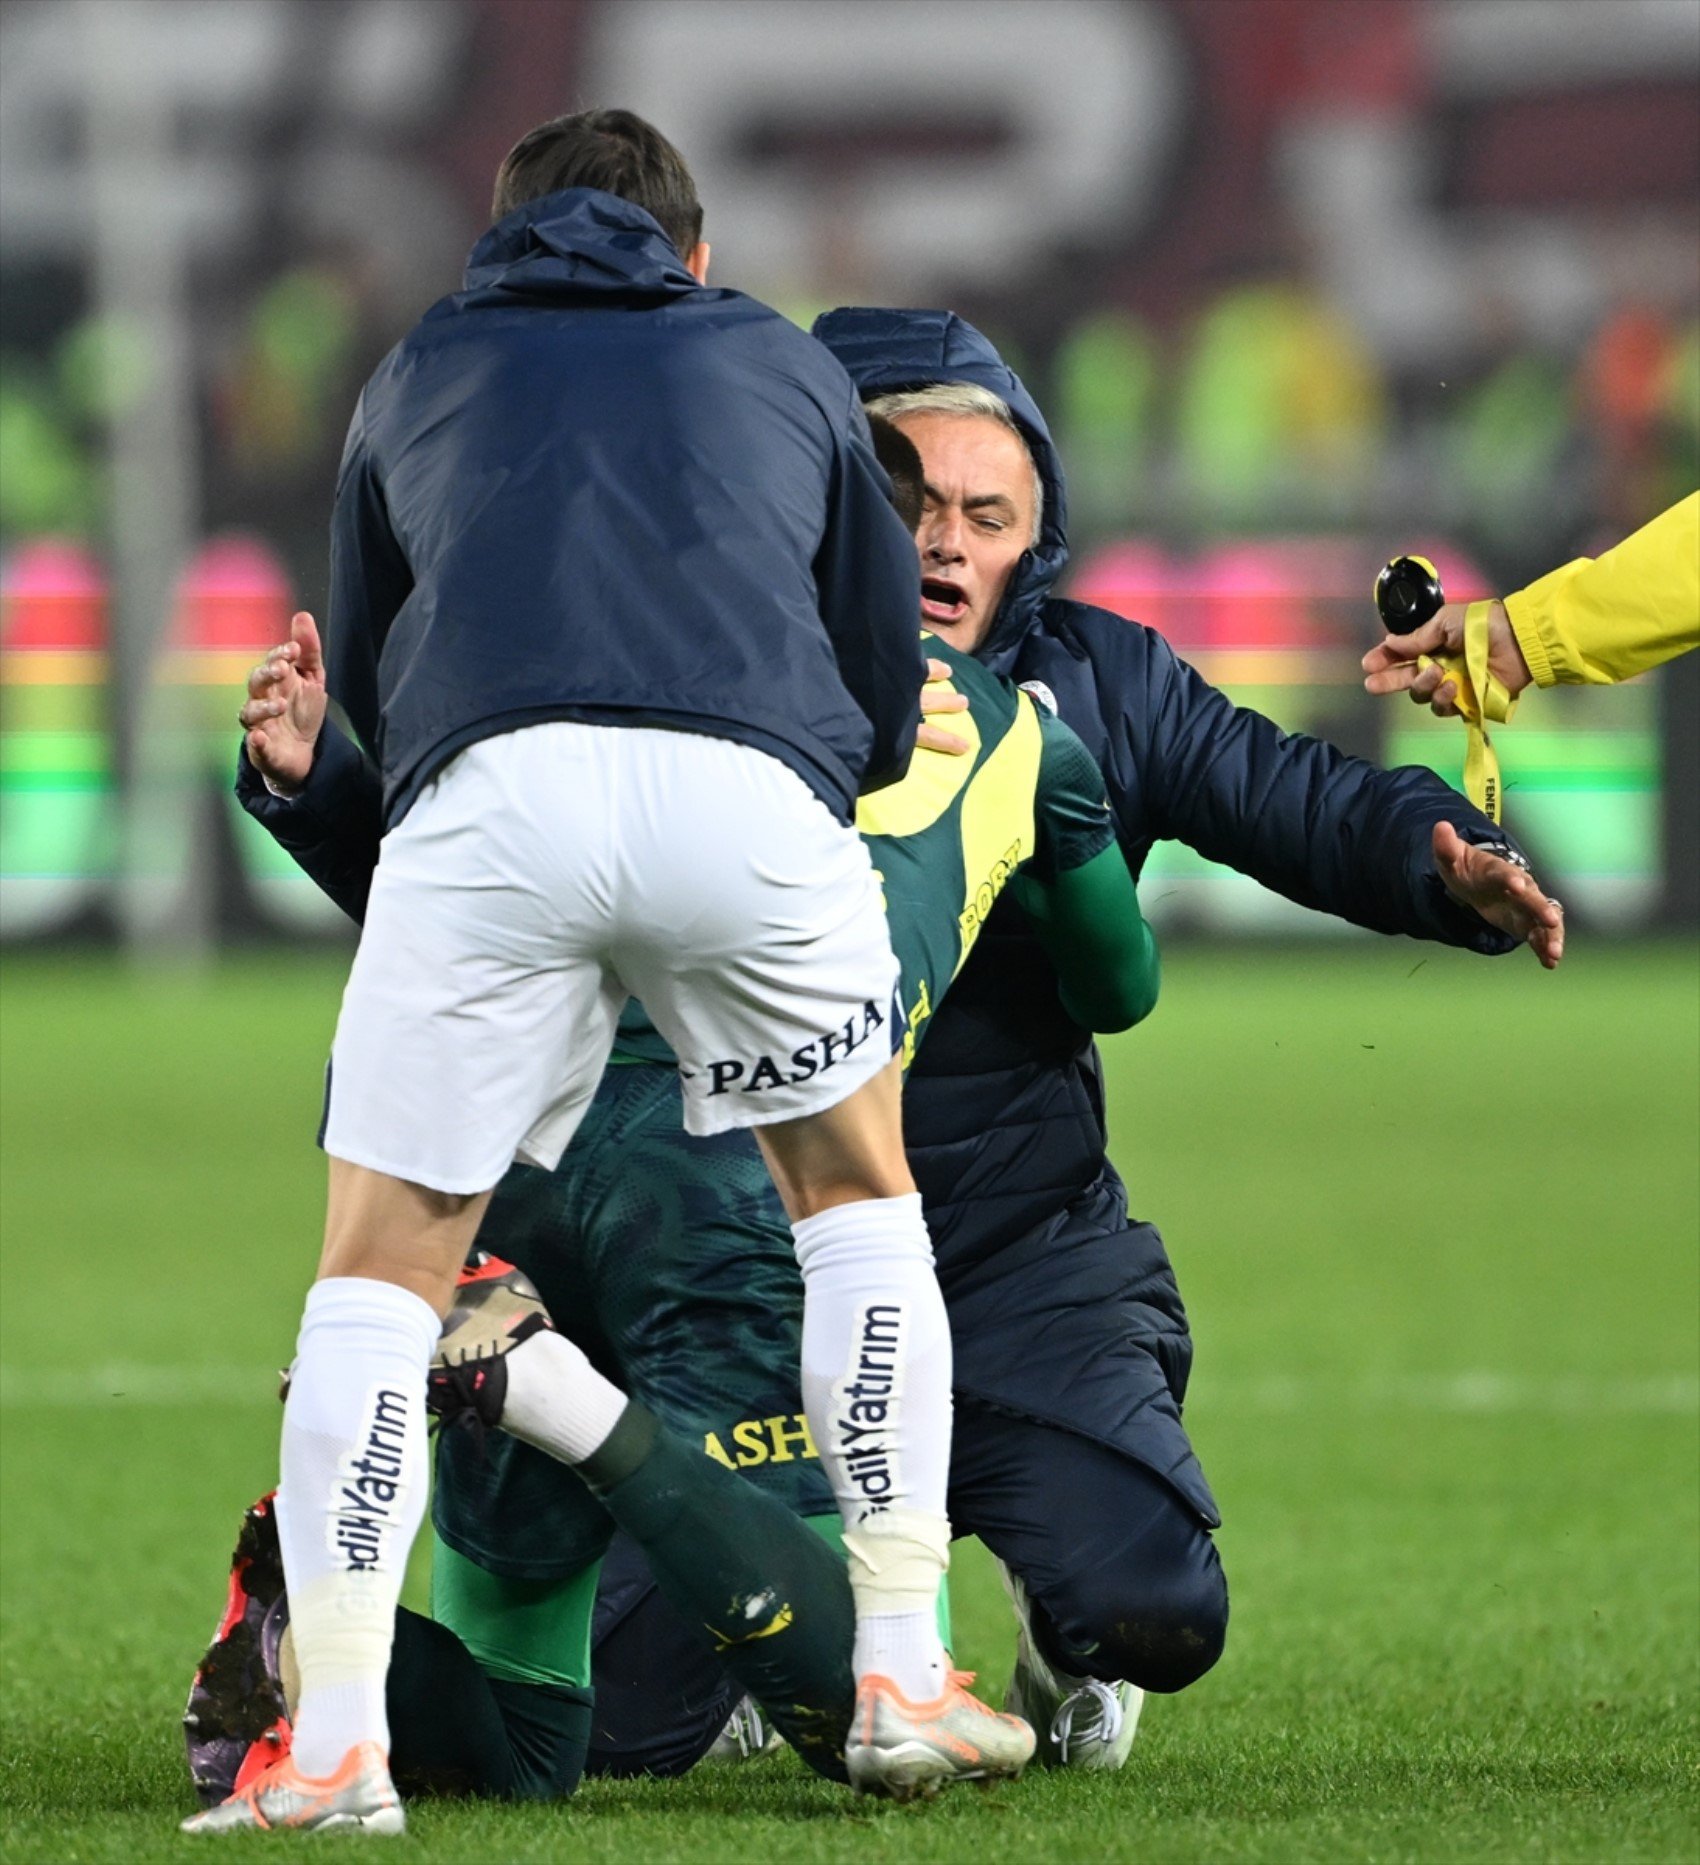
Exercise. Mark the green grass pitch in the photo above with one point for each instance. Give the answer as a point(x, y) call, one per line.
point(1435, 1220)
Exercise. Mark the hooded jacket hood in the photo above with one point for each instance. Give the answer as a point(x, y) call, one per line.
point(887, 351)
point(569, 247)
point(573, 453)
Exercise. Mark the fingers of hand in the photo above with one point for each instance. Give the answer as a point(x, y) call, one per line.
point(932, 701)
point(1388, 676)
point(1547, 942)
point(935, 738)
point(256, 711)
point(1401, 650)
point(1545, 910)
point(267, 674)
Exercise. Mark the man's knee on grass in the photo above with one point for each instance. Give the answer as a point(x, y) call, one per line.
point(1160, 1627)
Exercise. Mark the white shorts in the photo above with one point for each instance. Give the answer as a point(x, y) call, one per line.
point(546, 875)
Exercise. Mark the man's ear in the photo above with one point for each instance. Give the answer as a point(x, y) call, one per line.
point(696, 262)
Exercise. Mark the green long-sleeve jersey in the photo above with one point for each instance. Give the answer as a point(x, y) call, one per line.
point(1025, 806)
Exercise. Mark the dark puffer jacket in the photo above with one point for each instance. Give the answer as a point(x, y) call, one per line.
point(1062, 1306)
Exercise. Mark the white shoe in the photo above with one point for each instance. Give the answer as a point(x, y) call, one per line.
point(1080, 1722)
point(359, 1796)
point(747, 1734)
point(906, 1750)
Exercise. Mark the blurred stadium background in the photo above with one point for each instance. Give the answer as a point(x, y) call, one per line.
point(1301, 283)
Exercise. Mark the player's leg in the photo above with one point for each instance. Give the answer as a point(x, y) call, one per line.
point(876, 1368)
point(1118, 1582)
point(511, 1722)
point(687, 1254)
point(671, 1260)
point(351, 1495)
point(529, 1642)
point(475, 1023)
point(663, 1695)
point(780, 1007)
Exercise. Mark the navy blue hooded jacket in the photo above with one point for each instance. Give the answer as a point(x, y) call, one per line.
point(1061, 1306)
point(587, 487)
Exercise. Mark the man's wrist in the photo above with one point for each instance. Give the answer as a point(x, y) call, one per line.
point(277, 789)
point(1505, 852)
point(1506, 659)
point(281, 787)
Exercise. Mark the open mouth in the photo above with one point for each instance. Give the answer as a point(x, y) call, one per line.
point(942, 600)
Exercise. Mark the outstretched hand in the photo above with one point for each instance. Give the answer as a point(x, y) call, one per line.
point(285, 709)
point(1504, 894)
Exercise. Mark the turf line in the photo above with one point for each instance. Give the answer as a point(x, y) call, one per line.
point(1479, 1391)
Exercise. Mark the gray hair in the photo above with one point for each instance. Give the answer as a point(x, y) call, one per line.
point(965, 398)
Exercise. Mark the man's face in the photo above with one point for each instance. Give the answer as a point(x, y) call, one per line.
point(977, 521)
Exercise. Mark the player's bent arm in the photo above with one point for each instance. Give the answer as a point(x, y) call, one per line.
point(332, 826)
point(1104, 953)
point(1079, 892)
point(1602, 619)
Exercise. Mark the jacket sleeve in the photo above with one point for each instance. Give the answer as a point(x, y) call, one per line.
point(332, 827)
point(1602, 619)
point(1327, 830)
point(868, 575)
point(370, 580)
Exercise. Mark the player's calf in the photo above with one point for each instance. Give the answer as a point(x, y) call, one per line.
point(732, 1558)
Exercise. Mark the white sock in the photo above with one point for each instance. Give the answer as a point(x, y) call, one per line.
point(905, 1647)
point(350, 1500)
point(557, 1400)
point(876, 1387)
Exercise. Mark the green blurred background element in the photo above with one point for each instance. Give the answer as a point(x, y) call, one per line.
point(1435, 1219)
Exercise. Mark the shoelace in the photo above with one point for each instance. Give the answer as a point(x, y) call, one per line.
point(747, 1729)
point(1102, 1720)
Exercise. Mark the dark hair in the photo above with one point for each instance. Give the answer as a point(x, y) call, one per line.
point(608, 149)
point(896, 452)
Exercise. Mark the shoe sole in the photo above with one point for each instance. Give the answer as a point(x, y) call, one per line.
point(386, 1823)
point(913, 1771)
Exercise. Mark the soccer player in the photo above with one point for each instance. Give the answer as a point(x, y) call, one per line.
point(619, 601)
point(649, 1240)
point(1592, 622)
point(1087, 1488)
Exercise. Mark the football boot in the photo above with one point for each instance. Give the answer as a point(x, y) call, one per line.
point(904, 1750)
point(496, 1308)
point(359, 1795)
point(747, 1734)
point(236, 1720)
point(1080, 1722)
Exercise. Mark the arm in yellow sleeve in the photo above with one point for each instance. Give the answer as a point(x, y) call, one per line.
point(1600, 619)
